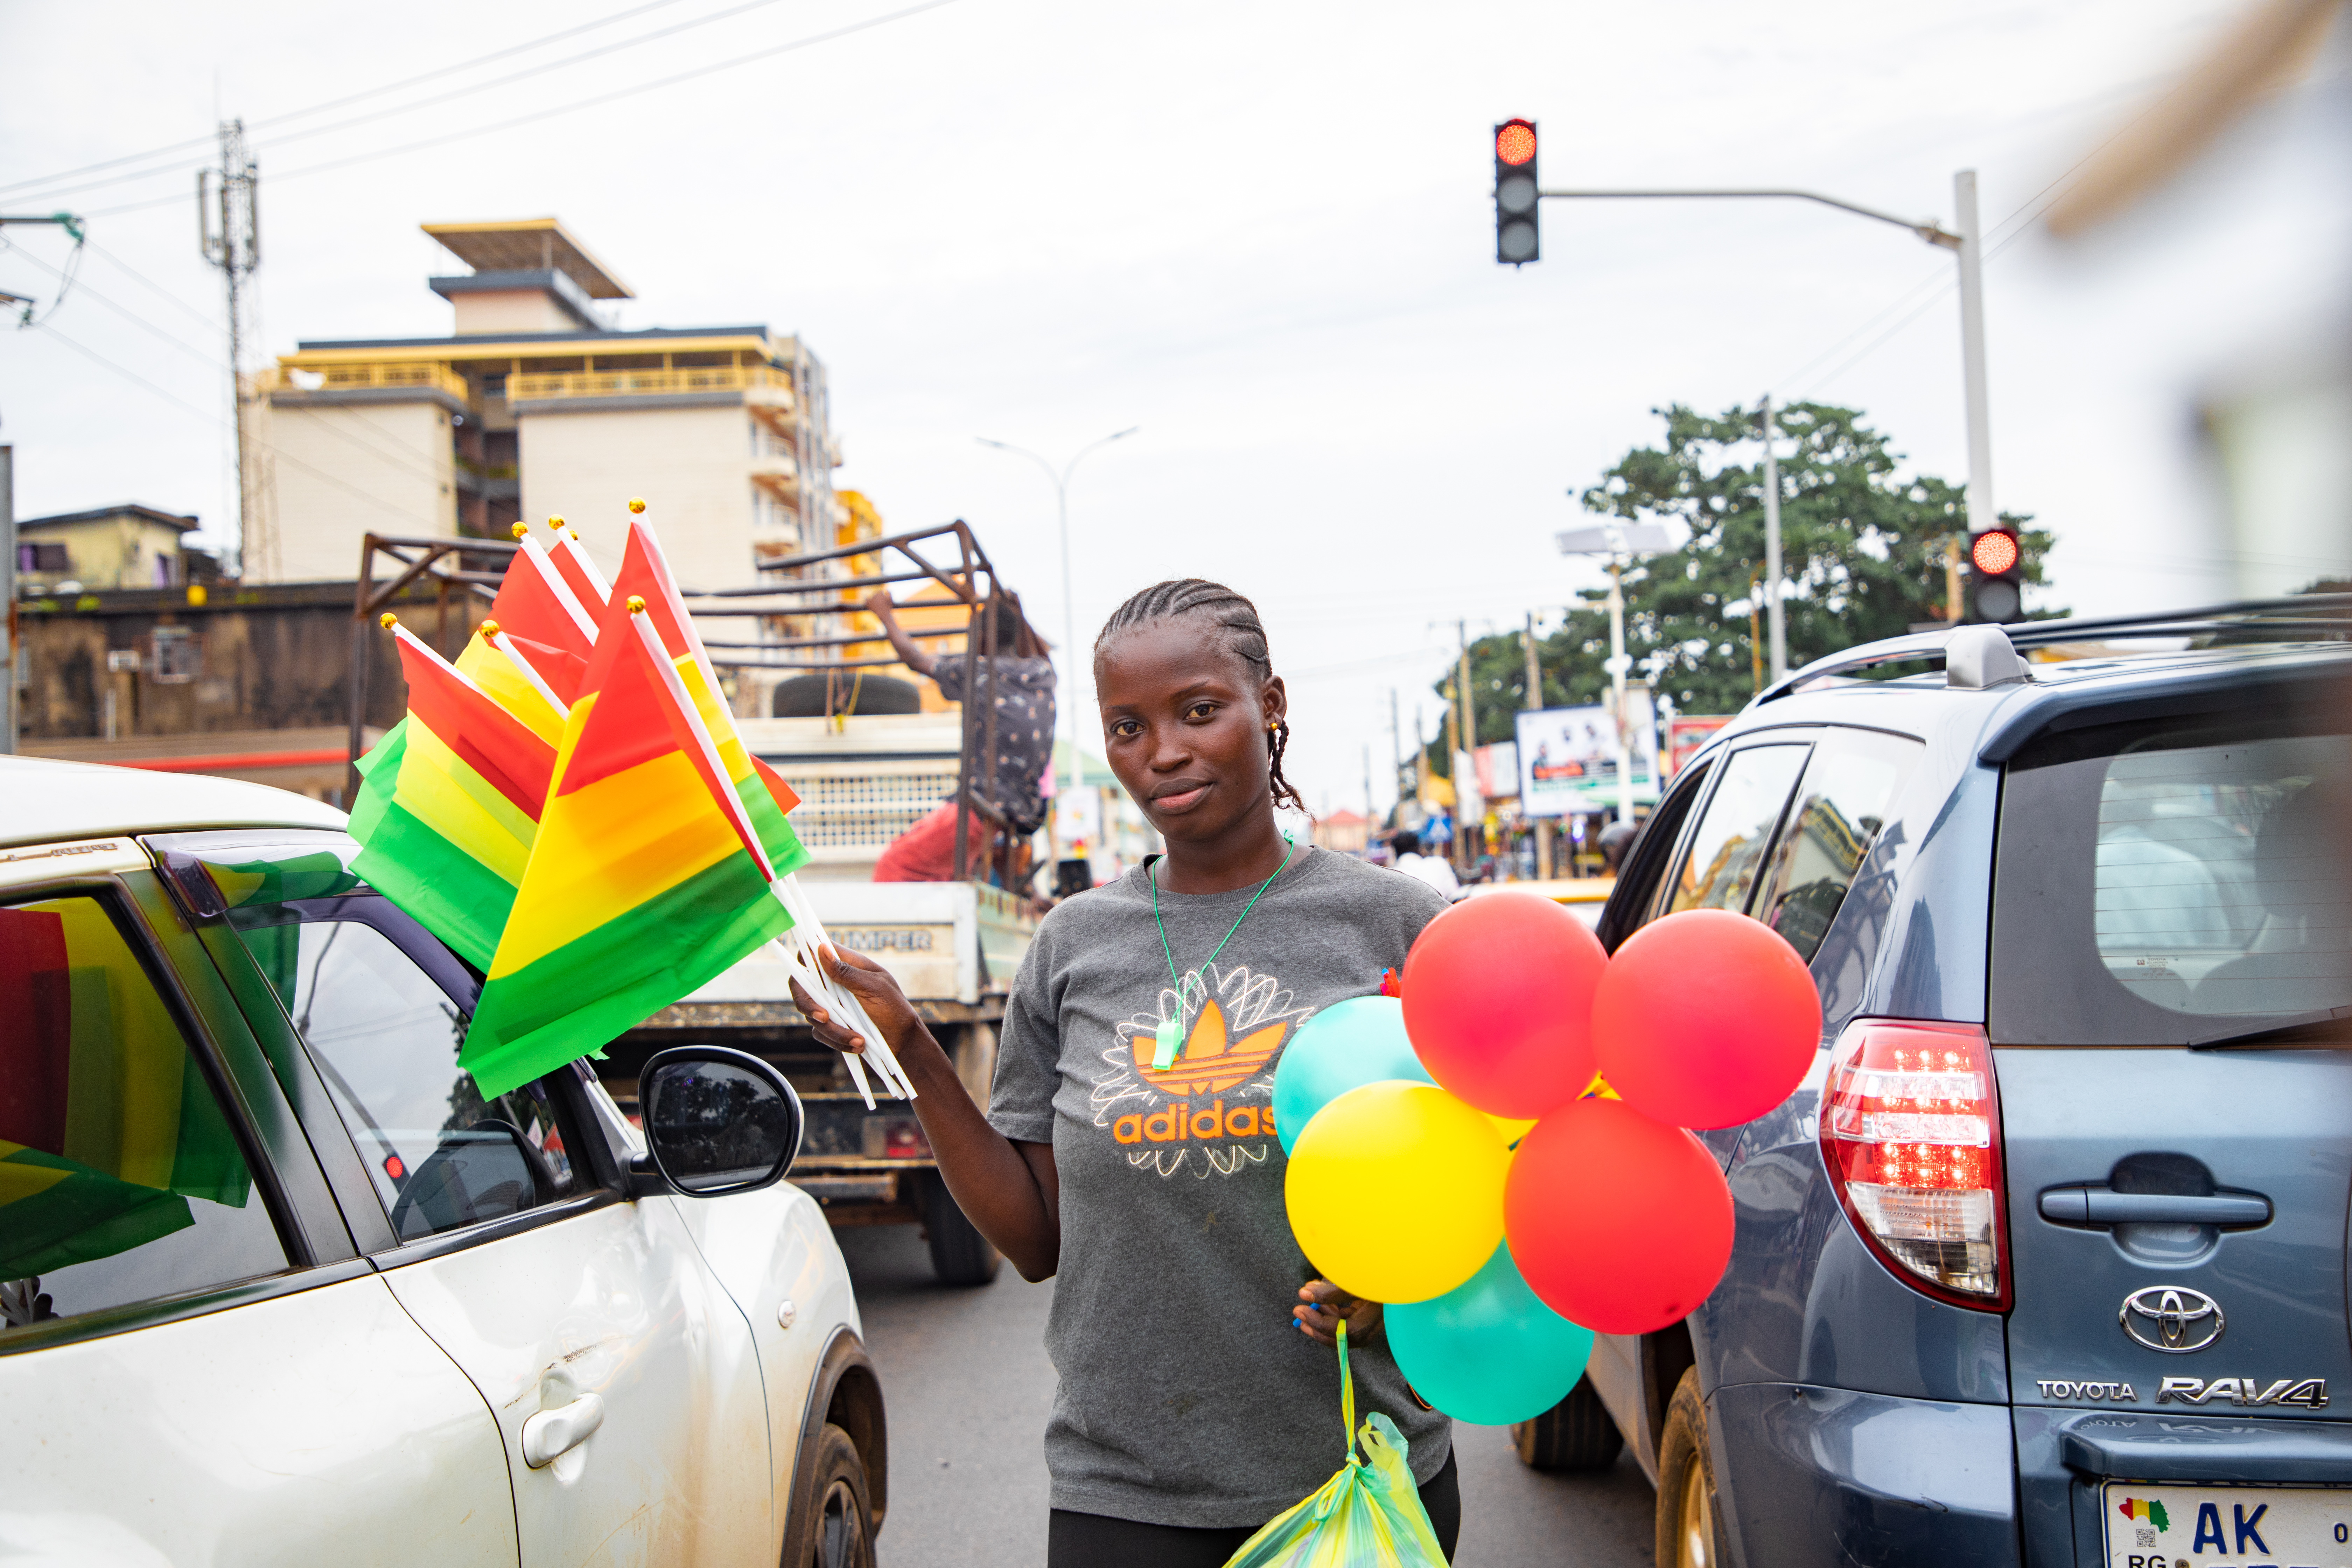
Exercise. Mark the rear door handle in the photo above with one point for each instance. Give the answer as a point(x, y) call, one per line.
point(2105, 1205)
point(559, 1431)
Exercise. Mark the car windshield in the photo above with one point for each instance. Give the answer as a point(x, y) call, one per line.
point(2184, 875)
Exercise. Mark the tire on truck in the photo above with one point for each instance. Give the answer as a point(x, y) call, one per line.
point(959, 1254)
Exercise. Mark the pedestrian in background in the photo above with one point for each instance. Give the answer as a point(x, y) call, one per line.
point(1429, 868)
point(1129, 1146)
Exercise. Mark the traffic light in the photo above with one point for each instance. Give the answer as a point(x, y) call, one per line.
point(1517, 240)
point(1996, 571)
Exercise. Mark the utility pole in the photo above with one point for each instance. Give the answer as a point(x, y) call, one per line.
point(1776, 626)
point(7, 600)
point(229, 232)
point(1618, 666)
point(1535, 700)
point(1981, 512)
point(1396, 755)
point(1469, 744)
point(1368, 788)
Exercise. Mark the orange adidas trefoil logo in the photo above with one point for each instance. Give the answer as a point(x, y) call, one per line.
point(1211, 1062)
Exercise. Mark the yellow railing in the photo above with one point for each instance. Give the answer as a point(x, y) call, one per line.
point(371, 377)
point(645, 383)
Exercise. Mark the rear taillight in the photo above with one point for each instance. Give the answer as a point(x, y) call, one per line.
point(1911, 1133)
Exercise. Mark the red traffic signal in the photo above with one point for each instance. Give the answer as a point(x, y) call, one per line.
point(1517, 239)
point(1993, 552)
point(1995, 577)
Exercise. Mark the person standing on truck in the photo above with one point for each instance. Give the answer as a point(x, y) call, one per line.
point(1022, 681)
point(1128, 1144)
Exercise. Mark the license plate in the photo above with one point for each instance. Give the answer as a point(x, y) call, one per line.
point(2152, 1526)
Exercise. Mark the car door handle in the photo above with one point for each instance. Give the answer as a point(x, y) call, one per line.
point(559, 1431)
point(2103, 1205)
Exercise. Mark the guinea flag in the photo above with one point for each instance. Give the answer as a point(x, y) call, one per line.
point(106, 1127)
point(450, 804)
point(536, 605)
point(644, 574)
point(645, 879)
point(579, 572)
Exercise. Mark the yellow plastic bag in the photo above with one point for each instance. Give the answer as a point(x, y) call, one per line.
point(1367, 1516)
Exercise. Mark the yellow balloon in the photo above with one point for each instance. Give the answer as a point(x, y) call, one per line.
point(1395, 1191)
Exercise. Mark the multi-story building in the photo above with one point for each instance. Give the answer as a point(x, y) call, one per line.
point(535, 406)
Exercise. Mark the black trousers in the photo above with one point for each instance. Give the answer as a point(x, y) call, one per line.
point(1095, 1541)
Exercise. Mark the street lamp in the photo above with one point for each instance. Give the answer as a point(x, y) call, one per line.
point(1617, 541)
point(1061, 478)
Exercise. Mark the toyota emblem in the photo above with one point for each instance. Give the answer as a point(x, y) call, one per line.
point(2171, 1319)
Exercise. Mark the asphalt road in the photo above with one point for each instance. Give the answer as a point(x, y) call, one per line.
point(968, 1389)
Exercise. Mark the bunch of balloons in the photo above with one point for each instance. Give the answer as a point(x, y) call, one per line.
point(1500, 1152)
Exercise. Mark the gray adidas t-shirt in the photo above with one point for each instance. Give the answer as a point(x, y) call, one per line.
point(1188, 1396)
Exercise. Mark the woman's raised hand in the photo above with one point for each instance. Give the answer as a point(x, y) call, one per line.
point(876, 992)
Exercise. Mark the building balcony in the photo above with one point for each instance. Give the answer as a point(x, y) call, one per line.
point(328, 381)
point(777, 473)
point(762, 384)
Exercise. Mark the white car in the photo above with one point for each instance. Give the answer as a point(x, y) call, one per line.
point(276, 1285)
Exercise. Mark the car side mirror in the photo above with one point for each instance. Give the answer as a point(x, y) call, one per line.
point(715, 1122)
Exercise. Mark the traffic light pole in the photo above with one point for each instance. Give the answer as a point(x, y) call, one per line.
point(1968, 246)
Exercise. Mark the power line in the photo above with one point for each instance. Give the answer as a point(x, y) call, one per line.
point(213, 418)
point(207, 355)
point(206, 142)
point(469, 90)
point(597, 101)
point(1941, 282)
point(149, 284)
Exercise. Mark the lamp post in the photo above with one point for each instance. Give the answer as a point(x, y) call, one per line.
point(1619, 542)
point(1061, 477)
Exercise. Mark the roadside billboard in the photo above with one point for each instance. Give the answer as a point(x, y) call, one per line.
point(1685, 733)
point(1568, 757)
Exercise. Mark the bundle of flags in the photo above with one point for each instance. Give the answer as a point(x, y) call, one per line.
point(569, 806)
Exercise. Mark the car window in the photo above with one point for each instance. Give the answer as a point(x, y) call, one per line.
point(1726, 849)
point(1841, 807)
point(2172, 873)
point(385, 1035)
point(2218, 890)
point(121, 1177)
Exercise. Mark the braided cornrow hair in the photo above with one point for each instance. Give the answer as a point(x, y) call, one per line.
point(1244, 636)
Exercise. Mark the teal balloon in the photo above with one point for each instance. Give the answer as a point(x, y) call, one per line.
point(1346, 1046)
point(1488, 1350)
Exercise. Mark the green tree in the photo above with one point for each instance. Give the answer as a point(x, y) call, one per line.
point(1861, 550)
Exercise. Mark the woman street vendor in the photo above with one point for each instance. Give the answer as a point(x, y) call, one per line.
point(1128, 1148)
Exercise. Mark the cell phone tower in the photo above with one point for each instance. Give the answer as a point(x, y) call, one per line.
point(228, 230)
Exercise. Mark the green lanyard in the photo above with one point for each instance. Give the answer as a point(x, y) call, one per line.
point(1168, 1038)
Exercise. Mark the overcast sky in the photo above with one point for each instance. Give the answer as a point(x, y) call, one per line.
point(1263, 233)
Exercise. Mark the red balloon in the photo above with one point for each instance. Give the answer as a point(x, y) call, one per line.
point(1498, 1003)
point(1706, 1020)
point(1617, 1222)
